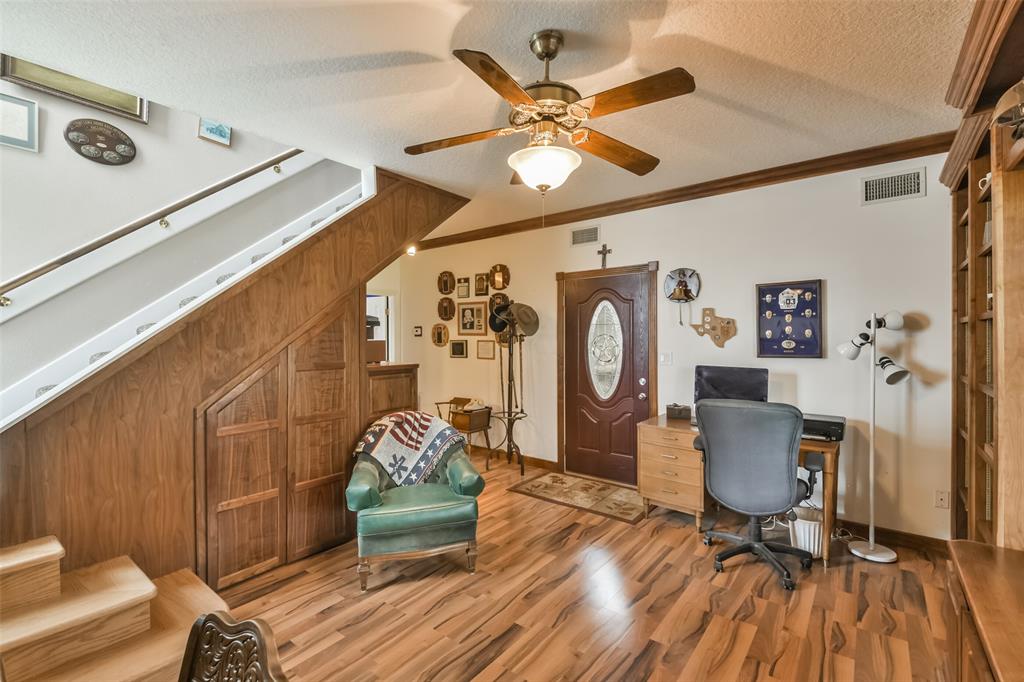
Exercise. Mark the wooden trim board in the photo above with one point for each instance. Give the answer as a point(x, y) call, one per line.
point(982, 47)
point(870, 156)
point(965, 145)
point(901, 538)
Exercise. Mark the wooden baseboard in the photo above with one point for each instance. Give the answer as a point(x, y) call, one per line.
point(896, 537)
point(546, 464)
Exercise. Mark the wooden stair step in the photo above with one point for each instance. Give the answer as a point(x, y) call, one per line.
point(30, 572)
point(155, 654)
point(99, 605)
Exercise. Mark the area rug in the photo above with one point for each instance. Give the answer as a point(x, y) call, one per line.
point(606, 499)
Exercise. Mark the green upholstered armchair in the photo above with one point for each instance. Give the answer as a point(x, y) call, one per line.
point(403, 522)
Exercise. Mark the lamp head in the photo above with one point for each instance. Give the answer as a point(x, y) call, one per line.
point(891, 372)
point(851, 349)
point(892, 320)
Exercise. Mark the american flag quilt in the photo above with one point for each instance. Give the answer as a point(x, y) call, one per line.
point(410, 444)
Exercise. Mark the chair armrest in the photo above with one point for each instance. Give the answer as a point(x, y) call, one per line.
point(698, 443)
point(363, 490)
point(462, 477)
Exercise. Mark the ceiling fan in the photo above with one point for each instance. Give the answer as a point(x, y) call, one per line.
point(548, 109)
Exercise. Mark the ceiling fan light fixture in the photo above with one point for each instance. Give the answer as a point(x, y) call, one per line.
point(544, 167)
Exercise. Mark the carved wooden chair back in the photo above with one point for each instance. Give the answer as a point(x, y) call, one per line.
point(221, 649)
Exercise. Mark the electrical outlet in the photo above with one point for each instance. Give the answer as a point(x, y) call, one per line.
point(942, 499)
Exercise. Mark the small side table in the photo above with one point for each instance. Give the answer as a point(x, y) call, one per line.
point(473, 421)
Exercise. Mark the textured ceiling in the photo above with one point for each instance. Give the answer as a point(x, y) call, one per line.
point(777, 82)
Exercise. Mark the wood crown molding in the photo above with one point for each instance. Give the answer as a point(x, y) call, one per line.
point(990, 22)
point(964, 147)
point(870, 156)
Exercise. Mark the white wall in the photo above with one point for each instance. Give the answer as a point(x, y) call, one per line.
point(51, 329)
point(893, 255)
point(55, 200)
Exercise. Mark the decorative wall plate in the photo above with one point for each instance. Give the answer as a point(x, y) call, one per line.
point(682, 285)
point(446, 308)
point(100, 142)
point(446, 282)
point(496, 300)
point(499, 277)
point(439, 335)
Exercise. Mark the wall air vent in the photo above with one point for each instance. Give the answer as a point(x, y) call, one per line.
point(893, 187)
point(586, 235)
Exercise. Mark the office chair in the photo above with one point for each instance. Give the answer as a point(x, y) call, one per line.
point(750, 463)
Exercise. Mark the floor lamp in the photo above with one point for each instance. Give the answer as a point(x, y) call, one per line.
point(892, 374)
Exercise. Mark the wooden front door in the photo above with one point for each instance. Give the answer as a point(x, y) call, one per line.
point(608, 367)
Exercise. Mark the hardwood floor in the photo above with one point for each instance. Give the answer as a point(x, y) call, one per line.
point(564, 594)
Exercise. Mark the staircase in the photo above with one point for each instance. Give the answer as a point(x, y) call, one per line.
point(107, 621)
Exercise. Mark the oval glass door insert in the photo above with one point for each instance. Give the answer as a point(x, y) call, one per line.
point(604, 350)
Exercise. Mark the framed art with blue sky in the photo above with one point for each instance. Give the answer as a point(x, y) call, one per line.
point(19, 123)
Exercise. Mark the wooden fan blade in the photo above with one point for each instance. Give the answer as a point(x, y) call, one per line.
point(516, 180)
point(491, 73)
point(451, 141)
point(614, 151)
point(664, 85)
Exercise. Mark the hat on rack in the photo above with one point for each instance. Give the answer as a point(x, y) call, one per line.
point(499, 318)
point(525, 317)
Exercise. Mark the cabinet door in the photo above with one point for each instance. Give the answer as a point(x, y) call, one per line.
point(322, 421)
point(245, 477)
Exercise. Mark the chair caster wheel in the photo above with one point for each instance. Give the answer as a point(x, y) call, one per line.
point(806, 564)
point(707, 540)
point(788, 584)
point(718, 567)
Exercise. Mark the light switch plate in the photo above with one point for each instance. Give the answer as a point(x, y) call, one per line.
point(665, 358)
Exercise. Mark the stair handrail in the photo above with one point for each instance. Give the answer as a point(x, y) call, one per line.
point(159, 214)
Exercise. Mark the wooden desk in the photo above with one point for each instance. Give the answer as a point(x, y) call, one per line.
point(658, 433)
point(986, 588)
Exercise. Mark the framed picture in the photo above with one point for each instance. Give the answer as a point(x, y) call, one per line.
point(72, 88)
point(485, 349)
point(462, 287)
point(446, 308)
point(480, 284)
point(473, 318)
point(499, 277)
point(19, 123)
point(446, 282)
point(459, 348)
point(214, 131)
point(439, 335)
point(790, 319)
point(417, 331)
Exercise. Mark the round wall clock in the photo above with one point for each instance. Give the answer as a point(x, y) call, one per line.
point(499, 277)
point(439, 335)
point(446, 308)
point(100, 142)
point(446, 282)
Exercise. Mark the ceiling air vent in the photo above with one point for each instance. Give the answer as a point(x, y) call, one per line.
point(893, 187)
point(586, 235)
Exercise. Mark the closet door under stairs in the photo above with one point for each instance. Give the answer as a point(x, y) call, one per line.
point(277, 451)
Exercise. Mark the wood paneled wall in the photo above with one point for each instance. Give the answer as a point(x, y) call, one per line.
point(109, 468)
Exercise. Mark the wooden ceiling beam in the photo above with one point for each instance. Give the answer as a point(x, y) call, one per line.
point(982, 48)
point(860, 158)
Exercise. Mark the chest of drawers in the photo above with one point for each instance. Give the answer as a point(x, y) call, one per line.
point(670, 471)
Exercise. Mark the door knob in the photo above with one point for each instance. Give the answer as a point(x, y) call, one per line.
point(642, 396)
point(643, 381)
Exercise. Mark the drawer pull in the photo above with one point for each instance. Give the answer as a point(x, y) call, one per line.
point(670, 492)
point(669, 473)
point(667, 456)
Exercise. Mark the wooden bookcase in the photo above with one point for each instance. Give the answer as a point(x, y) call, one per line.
point(987, 317)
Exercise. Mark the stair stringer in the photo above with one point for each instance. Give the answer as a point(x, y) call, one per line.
point(109, 466)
